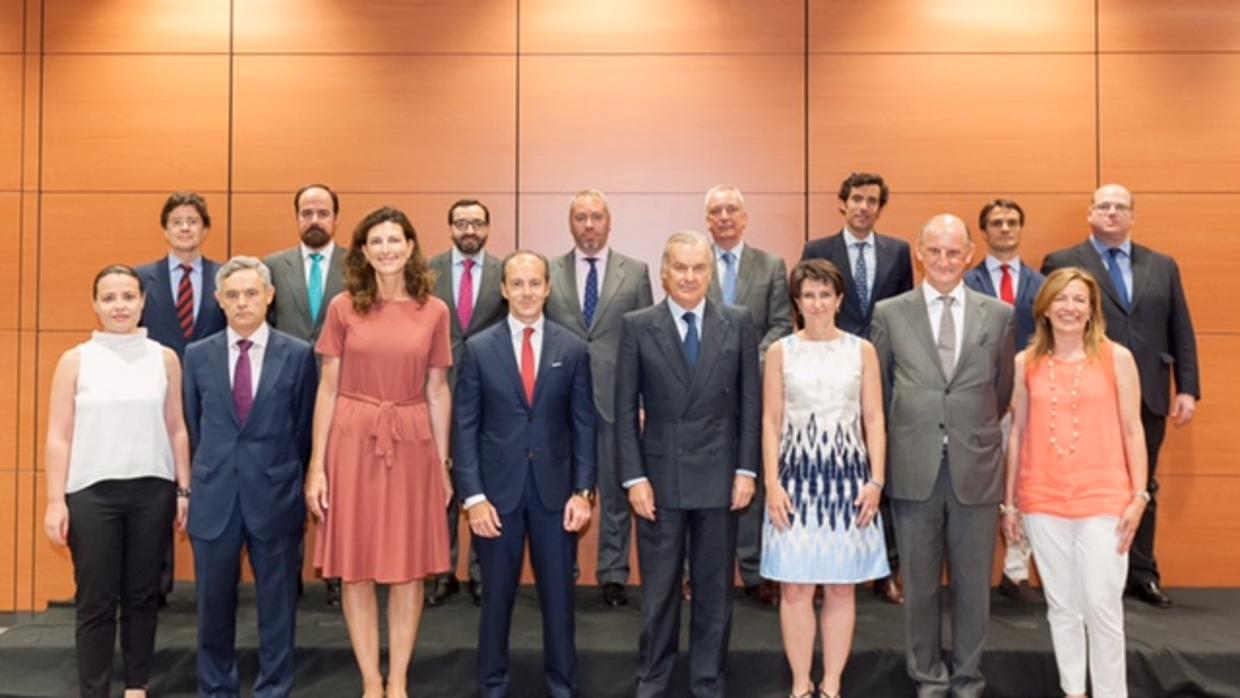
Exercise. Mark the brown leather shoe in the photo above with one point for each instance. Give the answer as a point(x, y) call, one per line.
point(888, 589)
point(1021, 592)
point(763, 593)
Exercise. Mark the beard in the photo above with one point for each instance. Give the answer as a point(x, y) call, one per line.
point(315, 236)
point(469, 244)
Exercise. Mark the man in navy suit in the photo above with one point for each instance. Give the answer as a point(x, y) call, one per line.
point(1002, 275)
point(180, 298)
point(249, 401)
point(525, 425)
point(875, 267)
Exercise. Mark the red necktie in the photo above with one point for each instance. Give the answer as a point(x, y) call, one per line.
point(1005, 285)
point(465, 297)
point(185, 302)
point(527, 364)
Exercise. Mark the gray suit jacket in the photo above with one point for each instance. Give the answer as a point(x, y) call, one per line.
point(290, 311)
point(702, 423)
point(489, 309)
point(923, 405)
point(626, 287)
point(762, 287)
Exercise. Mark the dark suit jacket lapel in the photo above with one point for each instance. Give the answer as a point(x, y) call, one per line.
point(1092, 262)
point(982, 274)
point(218, 368)
point(884, 262)
point(442, 266)
point(208, 296)
point(550, 355)
point(333, 283)
point(715, 331)
point(273, 362)
point(295, 271)
point(918, 316)
point(1141, 271)
point(1028, 293)
point(667, 337)
point(508, 362)
point(567, 288)
point(747, 279)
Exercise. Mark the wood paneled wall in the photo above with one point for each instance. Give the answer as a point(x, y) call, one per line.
point(108, 105)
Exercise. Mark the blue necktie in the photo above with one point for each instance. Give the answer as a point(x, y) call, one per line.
point(729, 278)
point(862, 276)
point(692, 342)
point(590, 305)
point(315, 287)
point(1117, 276)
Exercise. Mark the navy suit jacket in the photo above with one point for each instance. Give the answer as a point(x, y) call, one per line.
point(500, 439)
point(257, 465)
point(1027, 287)
point(159, 314)
point(893, 275)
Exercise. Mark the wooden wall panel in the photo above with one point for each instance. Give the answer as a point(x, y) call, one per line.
point(136, 26)
point(10, 380)
point(928, 126)
point(24, 538)
point(1197, 525)
point(8, 541)
point(641, 224)
point(952, 26)
point(652, 26)
point(264, 223)
point(376, 26)
point(1210, 444)
point(646, 124)
point(83, 232)
point(11, 26)
point(51, 346)
point(154, 123)
point(1199, 231)
point(10, 122)
point(10, 260)
point(374, 123)
point(1168, 121)
point(1153, 25)
point(53, 565)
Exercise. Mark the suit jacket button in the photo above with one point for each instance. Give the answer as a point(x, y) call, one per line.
point(529, 453)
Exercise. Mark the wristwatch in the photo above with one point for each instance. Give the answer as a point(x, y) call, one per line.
point(587, 495)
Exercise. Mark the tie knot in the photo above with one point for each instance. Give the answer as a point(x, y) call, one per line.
point(316, 257)
point(861, 246)
point(469, 264)
point(244, 345)
point(947, 301)
point(593, 261)
point(729, 258)
point(1114, 252)
point(186, 268)
point(529, 333)
point(1005, 267)
point(689, 318)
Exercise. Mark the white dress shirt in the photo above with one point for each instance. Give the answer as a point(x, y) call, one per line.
point(871, 258)
point(583, 270)
point(993, 267)
point(458, 269)
point(722, 266)
point(934, 306)
point(326, 251)
point(258, 350)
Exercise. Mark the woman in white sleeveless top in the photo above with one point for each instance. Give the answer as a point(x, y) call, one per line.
point(117, 473)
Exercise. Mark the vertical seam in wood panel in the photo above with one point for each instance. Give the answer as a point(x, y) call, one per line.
point(228, 193)
point(1097, 94)
point(805, 114)
point(516, 161)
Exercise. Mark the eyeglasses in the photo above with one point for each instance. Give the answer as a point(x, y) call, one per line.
point(464, 224)
point(1109, 206)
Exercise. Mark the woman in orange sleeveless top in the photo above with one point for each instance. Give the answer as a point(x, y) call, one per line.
point(1077, 474)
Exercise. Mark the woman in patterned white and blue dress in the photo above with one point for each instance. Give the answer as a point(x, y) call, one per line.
point(823, 448)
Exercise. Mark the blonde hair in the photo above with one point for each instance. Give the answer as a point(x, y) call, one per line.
point(1043, 343)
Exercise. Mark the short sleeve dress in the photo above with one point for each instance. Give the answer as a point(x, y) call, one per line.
point(385, 519)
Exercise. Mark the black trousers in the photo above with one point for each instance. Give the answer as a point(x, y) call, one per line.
point(119, 531)
point(1142, 567)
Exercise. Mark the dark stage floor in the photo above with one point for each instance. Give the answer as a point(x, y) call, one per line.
point(1190, 650)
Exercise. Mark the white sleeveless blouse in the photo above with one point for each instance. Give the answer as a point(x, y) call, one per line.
point(119, 431)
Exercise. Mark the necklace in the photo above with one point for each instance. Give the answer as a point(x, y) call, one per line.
point(1072, 406)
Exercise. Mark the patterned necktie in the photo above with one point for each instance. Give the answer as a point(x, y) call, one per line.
point(947, 337)
point(729, 278)
point(692, 341)
point(1006, 294)
point(527, 364)
point(1117, 276)
point(465, 296)
point(589, 304)
point(243, 382)
point(185, 302)
point(862, 276)
point(315, 287)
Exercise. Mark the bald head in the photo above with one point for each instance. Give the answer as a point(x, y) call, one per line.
point(1111, 214)
point(944, 249)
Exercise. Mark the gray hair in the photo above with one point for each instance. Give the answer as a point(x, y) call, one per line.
point(724, 188)
point(684, 237)
point(241, 263)
point(590, 194)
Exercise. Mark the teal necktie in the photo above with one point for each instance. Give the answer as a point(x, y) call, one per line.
point(316, 286)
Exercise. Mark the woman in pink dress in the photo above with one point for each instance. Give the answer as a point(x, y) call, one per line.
point(378, 477)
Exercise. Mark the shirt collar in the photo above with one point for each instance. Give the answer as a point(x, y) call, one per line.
point(678, 311)
point(458, 257)
point(174, 264)
point(580, 257)
point(259, 338)
point(851, 239)
point(932, 293)
point(325, 250)
point(993, 264)
point(736, 251)
point(516, 327)
point(1102, 247)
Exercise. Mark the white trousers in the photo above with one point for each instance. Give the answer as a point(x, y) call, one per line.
point(1083, 577)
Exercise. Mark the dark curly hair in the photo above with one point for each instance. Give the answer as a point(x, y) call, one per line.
point(359, 276)
point(819, 270)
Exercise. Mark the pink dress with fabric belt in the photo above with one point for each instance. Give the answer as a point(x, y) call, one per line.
point(385, 519)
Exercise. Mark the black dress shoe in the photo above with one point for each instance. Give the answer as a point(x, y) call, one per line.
point(332, 588)
point(614, 595)
point(1150, 593)
point(763, 593)
point(475, 592)
point(888, 589)
point(1021, 592)
point(438, 591)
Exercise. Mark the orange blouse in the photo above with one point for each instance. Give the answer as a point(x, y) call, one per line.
point(1055, 478)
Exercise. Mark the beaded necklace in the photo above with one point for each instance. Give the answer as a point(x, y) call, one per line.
point(1072, 407)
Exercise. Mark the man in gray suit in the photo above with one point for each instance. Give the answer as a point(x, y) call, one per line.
point(693, 365)
point(748, 277)
point(467, 278)
point(592, 287)
point(306, 278)
point(946, 354)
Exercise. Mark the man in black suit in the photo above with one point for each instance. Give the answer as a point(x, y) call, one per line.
point(180, 299)
point(1147, 312)
point(467, 278)
point(1003, 275)
point(875, 267)
point(693, 365)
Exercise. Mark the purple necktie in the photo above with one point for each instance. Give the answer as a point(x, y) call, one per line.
point(243, 382)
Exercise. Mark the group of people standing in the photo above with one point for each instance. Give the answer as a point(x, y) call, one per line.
point(818, 429)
